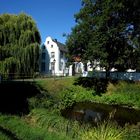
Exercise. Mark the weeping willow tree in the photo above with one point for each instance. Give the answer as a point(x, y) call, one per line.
point(19, 45)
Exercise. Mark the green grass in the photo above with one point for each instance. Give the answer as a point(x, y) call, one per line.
point(4, 136)
point(66, 93)
point(132, 134)
point(63, 92)
point(44, 122)
point(19, 129)
point(123, 93)
point(54, 122)
point(54, 87)
point(105, 131)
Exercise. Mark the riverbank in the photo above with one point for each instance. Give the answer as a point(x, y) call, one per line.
point(67, 92)
point(53, 95)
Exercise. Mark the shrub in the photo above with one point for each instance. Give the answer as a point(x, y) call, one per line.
point(99, 85)
point(75, 94)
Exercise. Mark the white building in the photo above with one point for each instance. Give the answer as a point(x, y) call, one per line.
point(53, 60)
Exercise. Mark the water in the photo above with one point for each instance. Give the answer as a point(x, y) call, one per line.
point(95, 113)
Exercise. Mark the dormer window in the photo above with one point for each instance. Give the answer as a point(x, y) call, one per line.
point(61, 66)
point(52, 55)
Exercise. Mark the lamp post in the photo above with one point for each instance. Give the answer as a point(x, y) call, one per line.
point(54, 67)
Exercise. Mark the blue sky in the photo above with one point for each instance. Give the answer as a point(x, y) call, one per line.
point(53, 17)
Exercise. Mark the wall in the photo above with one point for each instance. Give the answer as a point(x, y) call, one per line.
point(51, 46)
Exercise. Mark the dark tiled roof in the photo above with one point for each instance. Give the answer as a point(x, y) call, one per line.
point(61, 46)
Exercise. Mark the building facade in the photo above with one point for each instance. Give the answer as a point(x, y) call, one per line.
point(53, 59)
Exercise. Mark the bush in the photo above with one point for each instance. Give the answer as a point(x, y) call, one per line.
point(75, 94)
point(99, 85)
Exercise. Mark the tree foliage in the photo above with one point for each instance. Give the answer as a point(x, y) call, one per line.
point(107, 31)
point(19, 45)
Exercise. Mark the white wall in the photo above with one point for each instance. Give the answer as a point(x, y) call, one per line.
point(50, 49)
point(51, 46)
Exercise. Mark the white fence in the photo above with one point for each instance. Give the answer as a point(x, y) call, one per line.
point(135, 76)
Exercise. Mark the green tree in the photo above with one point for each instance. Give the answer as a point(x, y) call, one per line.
point(105, 32)
point(19, 45)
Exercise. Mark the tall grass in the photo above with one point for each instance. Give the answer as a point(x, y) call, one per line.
point(132, 133)
point(54, 122)
point(123, 93)
point(4, 136)
point(105, 131)
point(54, 87)
point(21, 130)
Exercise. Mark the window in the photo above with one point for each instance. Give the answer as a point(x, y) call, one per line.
point(47, 42)
point(43, 56)
point(52, 65)
point(43, 66)
point(52, 55)
point(51, 46)
point(61, 66)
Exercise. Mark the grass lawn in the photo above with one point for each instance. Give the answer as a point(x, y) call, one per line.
point(55, 86)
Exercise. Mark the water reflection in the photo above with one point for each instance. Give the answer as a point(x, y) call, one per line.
point(94, 113)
